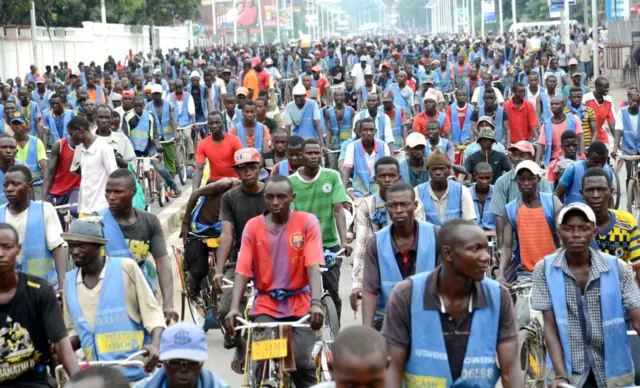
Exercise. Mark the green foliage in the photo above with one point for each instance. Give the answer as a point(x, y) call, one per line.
point(71, 13)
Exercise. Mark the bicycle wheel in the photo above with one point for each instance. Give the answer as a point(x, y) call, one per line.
point(161, 189)
point(181, 164)
point(617, 189)
point(149, 189)
point(632, 197)
point(331, 322)
point(532, 357)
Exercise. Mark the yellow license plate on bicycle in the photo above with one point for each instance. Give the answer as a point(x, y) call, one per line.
point(269, 349)
point(213, 242)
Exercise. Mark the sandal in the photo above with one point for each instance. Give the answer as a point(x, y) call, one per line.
point(237, 365)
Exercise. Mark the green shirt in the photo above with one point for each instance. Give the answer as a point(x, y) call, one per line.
point(62, 74)
point(317, 197)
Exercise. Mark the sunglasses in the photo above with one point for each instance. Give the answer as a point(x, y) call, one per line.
point(178, 362)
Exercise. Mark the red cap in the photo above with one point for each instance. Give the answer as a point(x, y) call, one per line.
point(256, 62)
point(316, 68)
point(41, 80)
point(246, 155)
point(317, 53)
point(523, 146)
point(127, 94)
point(386, 64)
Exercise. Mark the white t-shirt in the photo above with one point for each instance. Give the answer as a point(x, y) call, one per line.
point(476, 96)
point(96, 164)
point(349, 156)
point(52, 227)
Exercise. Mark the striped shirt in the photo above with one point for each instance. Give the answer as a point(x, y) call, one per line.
point(277, 259)
point(621, 238)
point(588, 116)
point(317, 196)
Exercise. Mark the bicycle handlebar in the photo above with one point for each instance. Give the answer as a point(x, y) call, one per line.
point(629, 157)
point(67, 206)
point(251, 325)
point(521, 286)
point(228, 283)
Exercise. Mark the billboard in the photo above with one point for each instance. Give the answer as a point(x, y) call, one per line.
point(489, 11)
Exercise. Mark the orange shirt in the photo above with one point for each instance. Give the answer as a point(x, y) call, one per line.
point(251, 140)
point(219, 155)
point(251, 83)
point(92, 95)
point(421, 120)
point(535, 238)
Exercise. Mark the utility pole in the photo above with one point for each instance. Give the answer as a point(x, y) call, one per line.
point(594, 29)
point(213, 18)
point(235, 25)
point(501, 18)
point(585, 13)
point(566, 23)
point(513, 18)
point(473, 19)
point(34, 41)
point(482, 18)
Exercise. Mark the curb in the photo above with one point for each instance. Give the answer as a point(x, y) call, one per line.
point(171, 216)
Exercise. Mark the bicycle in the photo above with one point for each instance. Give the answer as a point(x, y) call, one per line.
point(494, 265)
point(268, 343)
point(632, 186)
point(153, 188)
point(181, 156)
point(64, 210)
point(532, 348)
point(130, 362)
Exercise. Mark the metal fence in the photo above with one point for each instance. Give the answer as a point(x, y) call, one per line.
point(619, 62)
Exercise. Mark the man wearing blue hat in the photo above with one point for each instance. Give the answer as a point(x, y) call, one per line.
point(183, 351)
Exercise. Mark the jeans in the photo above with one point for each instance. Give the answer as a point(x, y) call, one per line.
point(303, 341)
point(331, 282)
point(586, 68)
point(160, 169)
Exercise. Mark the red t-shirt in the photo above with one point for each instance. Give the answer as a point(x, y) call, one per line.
point(263, 80)
point(278, 260)
point(604, 113)
point(421, 120)
point(521, 120)
point(219, 155)
point(321, 85)
point(65, 180)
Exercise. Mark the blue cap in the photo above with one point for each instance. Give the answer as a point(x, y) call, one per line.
point(184, 341)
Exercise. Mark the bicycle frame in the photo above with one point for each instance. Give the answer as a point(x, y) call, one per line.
point(131, 361)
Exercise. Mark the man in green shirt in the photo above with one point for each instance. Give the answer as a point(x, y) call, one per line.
point(320, 191)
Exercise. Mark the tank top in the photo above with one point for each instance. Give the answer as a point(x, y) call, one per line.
point(65, 180)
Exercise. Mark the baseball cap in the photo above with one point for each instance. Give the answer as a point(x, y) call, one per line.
point(157, 71)
point(488, 120)
point(387, 95)
point(577, 73)
point(299, 90)
point(226, 70)
point(194, 74)
point(415, 139)
point(428, 80)
point(268, 61)
point(116, 97)
point(242, 90)
point(40, 80)
point(430, 96)
point(577, 206)
point(246, 155)
point(386, 64)
point(316, 68)
point(528, 165)
point(523, 146)
point(157, 88)
point(487, 134)
point(17, 117)
point(256, 62)
point(368, 71)
point(573, 61)
point(127, 94)
point(185, 341)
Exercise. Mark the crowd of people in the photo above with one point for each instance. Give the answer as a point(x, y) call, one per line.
point(400, 153)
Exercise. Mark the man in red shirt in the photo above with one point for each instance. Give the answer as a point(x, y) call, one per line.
point(281, 252)
point(321, 81)
point(431, 113)
point(523, 119)
point(264, 80)
point(602, 105)
point(218, 149)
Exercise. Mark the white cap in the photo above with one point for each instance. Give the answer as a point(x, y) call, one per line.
point(157, 88)
point(299, 90)
point(577, 206)
point(416, 139)
point(367, 71)
point(194, 74)
point(430, 96)
point(529, 165)
point(157, 71)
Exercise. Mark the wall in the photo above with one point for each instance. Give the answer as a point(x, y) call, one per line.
point(92, 42)
point(620, 67)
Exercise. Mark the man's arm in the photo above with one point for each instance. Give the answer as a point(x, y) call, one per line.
point(61, 258)
point(341, 224)
point(226, 243)
point(540, 151)
point(552, 340)
point(67, 356)
point(507, 132)
point(197, 176)
point(211, 189)
point(51, 170)
point(560, 191)
point(327, 119)
point(509, 361)
point(507, 248)
point(316, 123)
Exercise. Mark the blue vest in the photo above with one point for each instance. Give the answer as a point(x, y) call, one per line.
point(182, 116)
point(618, 364)
point(444, 80)
point(460, 77)
point(30, 78)
point(50, 122)
point(389, 272)
point(454, 203)
point(378, 122)
point(283, 168)
point(546, 200)
point(203, 100)
point(32, 160)
point(499, 121)
point(398, 98)
point(442, 144)
point(43, 102)
point(164, 126)
point(579, 168)
point(339, 134)
point(140, 134)
point(35, 110)
point(259, 135)
point(364, 92)
point(362, 180)
point(397, 127)
point(288, 72)
point(460, 136)
point(630, 140)
point(486, 220)
point(231, 87)
point(548, 132)
point(407, 175)
point(306, 128)
point(115, 335)
point(199, 228)
point(37, 259)
point(467, 85)
point(428, 362)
